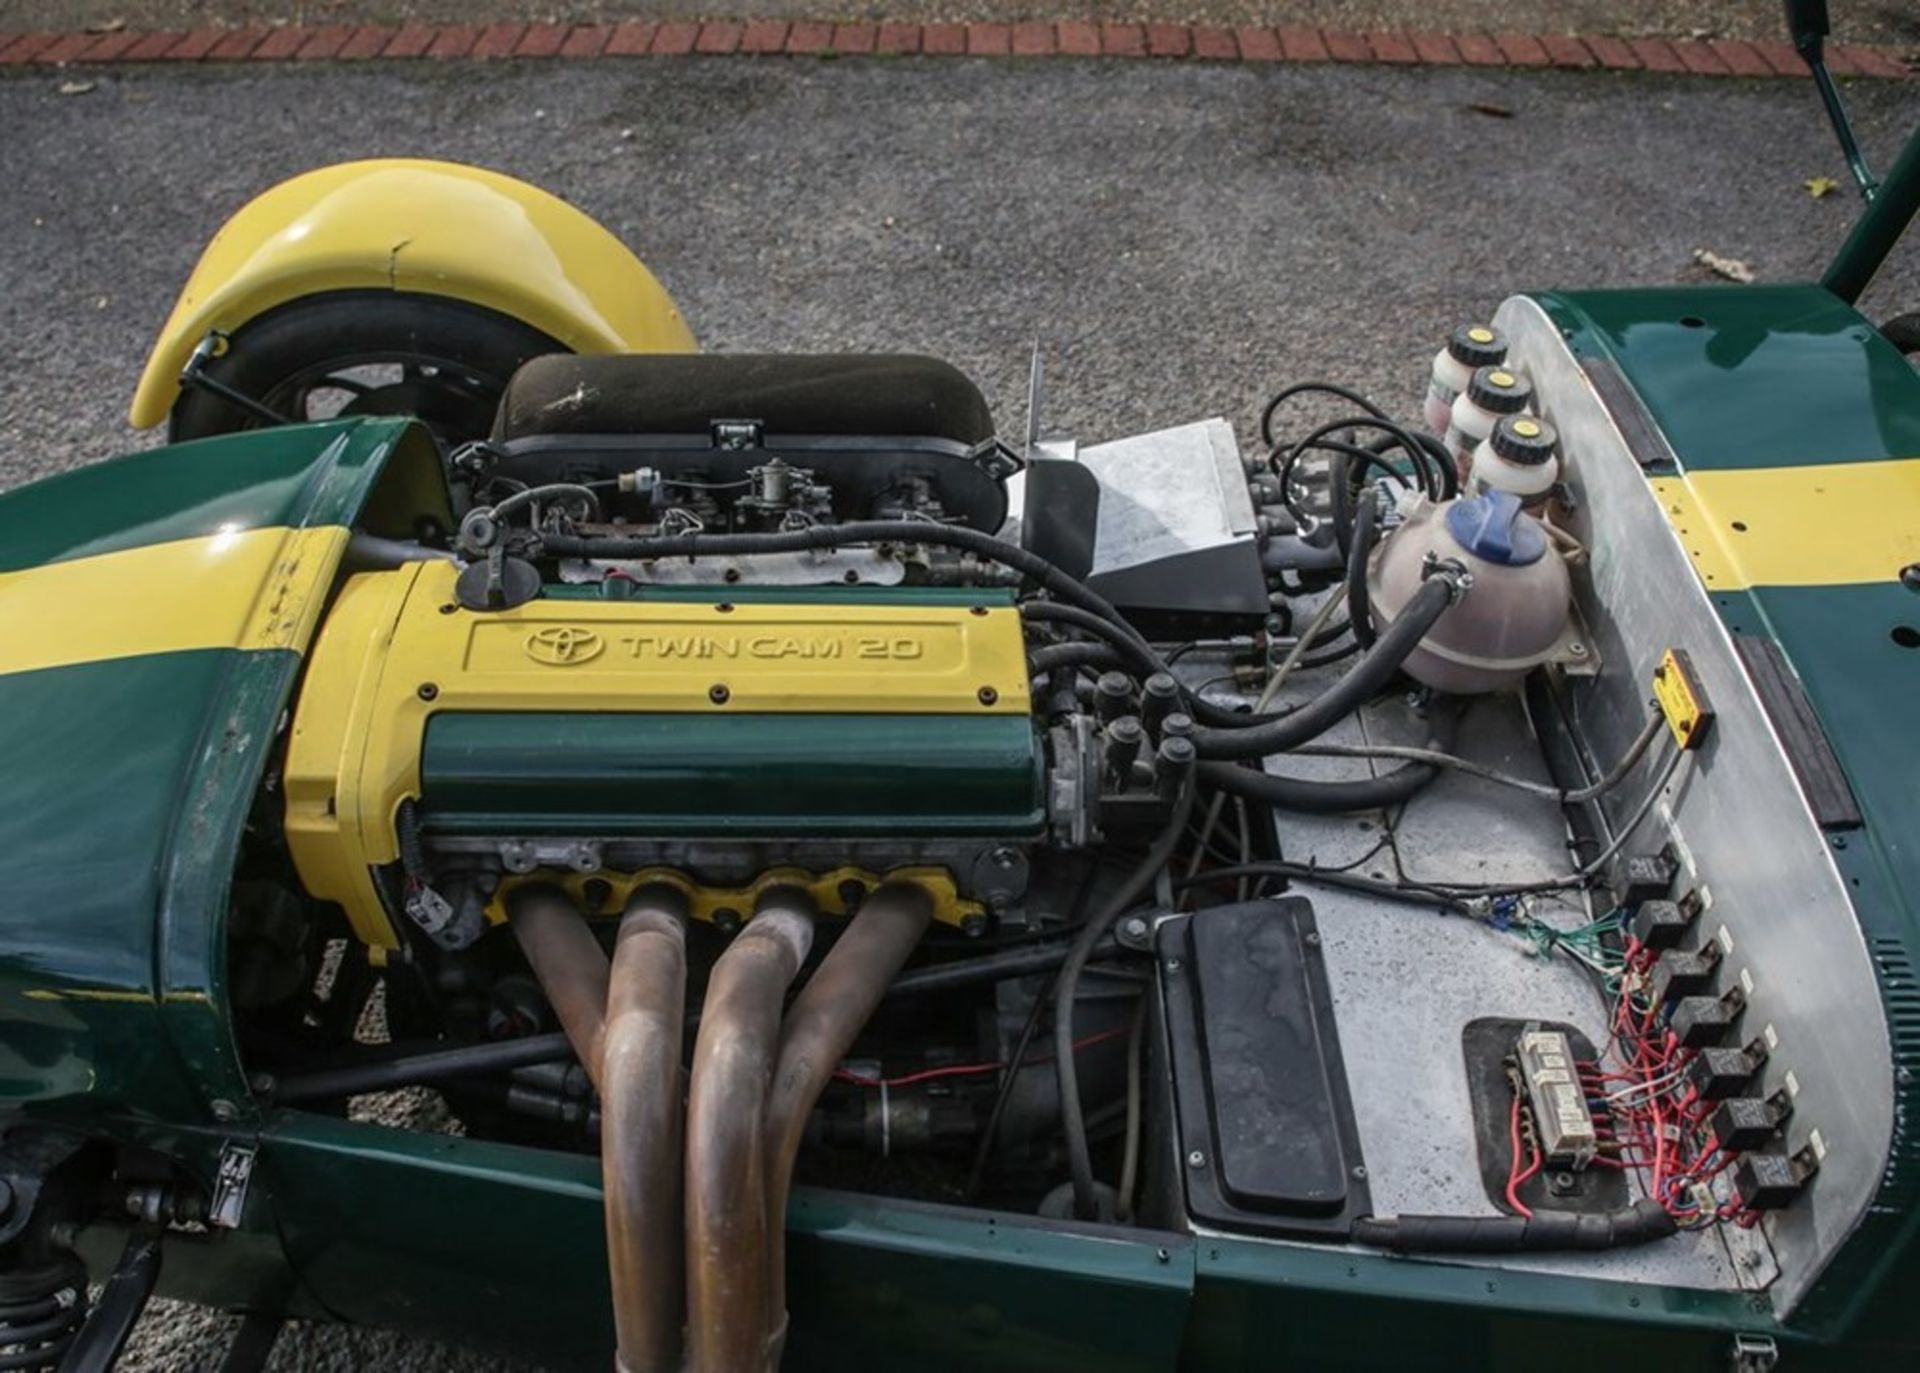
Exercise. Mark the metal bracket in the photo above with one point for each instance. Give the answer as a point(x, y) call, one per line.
point(230, 1186)
point(1753, 1354)
point(738, 435)
point(997, 460)
point(194, 374)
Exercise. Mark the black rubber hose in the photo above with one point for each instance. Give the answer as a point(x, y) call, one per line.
point(1312, 797)
point(1359, 611)
point(1432, 479)
point(419, 1069)
point(1051, 656)
point(1546, 1231)
point(1361, 683)
point(1072, 1117)
point(1315, 388)
point(1142, 659)
point(994, 967)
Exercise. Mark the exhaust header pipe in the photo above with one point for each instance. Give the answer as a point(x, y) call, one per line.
point(826, 1017)
point(727, 1224)
point(715, 1247)
point(623, 1018)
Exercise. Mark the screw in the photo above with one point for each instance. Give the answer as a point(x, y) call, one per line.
point(1196, 1159)
point(727, 920)
point(724, 608)
point(1135, 927)
point(1311, 939)
point(718, 693)
point(1910, 576)
point(223, 1110)
point(428, 691)
point(1562, 1184)
point(988, 696)
point(973, 926)
point(851, 577)
point(1162, 1256)
point(1004, 858)
point(261, 1083)
point(450, 608)
point(732, 574)
point(1359, 1172)
point(976, 610)
point(1173, 965)
point(1576, 650)
point(852, 892)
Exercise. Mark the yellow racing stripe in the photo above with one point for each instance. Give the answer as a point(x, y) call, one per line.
point(238, 588)
point(1837, 525)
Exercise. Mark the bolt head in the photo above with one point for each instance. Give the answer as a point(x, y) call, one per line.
point(1196, 1159)
point(1135, 927)
point(223, 1110)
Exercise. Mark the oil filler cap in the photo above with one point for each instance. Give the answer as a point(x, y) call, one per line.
point(1493, 528)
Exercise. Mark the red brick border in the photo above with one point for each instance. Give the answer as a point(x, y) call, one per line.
point(1068, 38)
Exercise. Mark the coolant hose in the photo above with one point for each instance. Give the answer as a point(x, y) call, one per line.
point(830, 1011)
point(1314, 797)
point(1359, 612)
point(640, 1128)
point(1361, 683)
point(1640, 1223)
point(726, 1214)
point(1050, 657)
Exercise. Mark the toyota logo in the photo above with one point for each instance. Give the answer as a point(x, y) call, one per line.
point(564, 645)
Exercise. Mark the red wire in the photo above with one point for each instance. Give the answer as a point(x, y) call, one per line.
point(964, 1069)
point(1514, 1176)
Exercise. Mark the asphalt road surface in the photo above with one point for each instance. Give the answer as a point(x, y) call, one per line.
point(1182, 239)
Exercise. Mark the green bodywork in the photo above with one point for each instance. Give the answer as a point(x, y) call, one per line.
point(127, 788)
point(127, 783)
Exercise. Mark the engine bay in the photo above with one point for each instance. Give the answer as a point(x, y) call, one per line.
point(1372, 840)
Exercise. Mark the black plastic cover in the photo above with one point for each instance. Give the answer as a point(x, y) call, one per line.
point(899, 395)
point(1268, 1140)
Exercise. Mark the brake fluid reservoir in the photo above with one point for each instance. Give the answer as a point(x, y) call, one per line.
point(1469, 348)
point(1521, 456)
point(1493, 392)
point(1516, 610)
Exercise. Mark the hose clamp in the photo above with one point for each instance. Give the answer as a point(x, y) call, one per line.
point(1450, 570)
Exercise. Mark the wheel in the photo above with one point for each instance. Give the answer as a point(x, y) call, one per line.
point(367, 353)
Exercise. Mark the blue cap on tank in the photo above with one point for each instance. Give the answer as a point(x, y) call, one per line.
point(1492, 528)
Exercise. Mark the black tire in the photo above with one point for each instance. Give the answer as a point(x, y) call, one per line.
point(455, 359)
point(1903, 332)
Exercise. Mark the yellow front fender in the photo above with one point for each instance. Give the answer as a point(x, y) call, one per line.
point(432, 227)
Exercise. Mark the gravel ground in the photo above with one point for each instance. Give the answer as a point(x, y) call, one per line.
point(1182, 238)
point(1859, 21)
